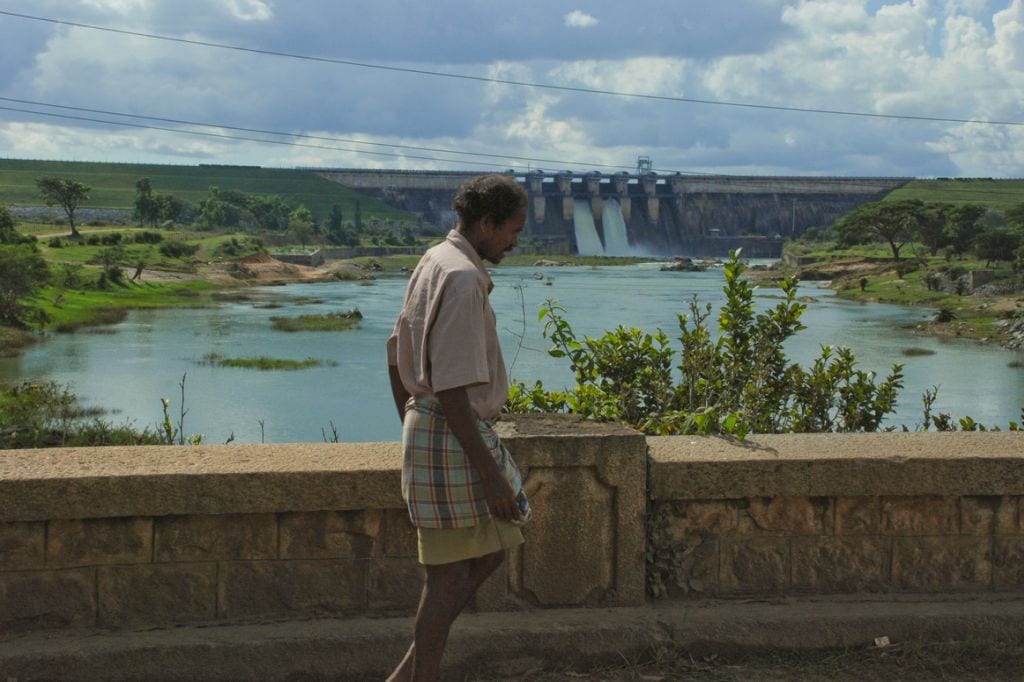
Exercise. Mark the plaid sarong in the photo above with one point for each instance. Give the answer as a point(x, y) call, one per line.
point(440, 485)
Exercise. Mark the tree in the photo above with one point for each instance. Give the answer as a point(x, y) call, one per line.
point(931, 230)
point(996, 245)
point(8, 235)
point(269, 212)
point(962, 226)
point(170, 207)
point(893, 222)
point(147, 209)
point(300, 225)
point(1015, 216)
point(23, 271)
point(213, 211)
point(66, 193)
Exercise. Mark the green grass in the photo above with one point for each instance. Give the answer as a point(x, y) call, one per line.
point(974, 317)
point(330, 322)
point(73, 309)
point(264, 363)
point(113, 185)
point(995, 194)
point(13, 341)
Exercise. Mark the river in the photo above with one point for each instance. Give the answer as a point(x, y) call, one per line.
point(134, 364)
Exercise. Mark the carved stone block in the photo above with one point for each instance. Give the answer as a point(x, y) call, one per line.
point(752, 564)
point(212, 537)
point(787, 516)
point(157, 593)
point(929, 564)
point(920, 515)
point(330, 534)
point(89, 542)
point(22, 545)
point(840, 564)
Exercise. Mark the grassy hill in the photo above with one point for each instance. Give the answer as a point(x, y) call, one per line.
point(994, 194)
point(113, 185)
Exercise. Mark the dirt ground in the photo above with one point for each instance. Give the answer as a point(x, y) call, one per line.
point(261, 269)
point(916, 662)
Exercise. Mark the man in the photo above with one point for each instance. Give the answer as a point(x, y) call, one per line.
point(462, 489)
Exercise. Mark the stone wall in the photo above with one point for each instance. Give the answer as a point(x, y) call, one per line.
point(826, 514)
point(140, 537)
point(152, 536)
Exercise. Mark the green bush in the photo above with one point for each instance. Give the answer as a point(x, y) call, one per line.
point(177, 249)
point(148, 237)
point(49, 415)
point(737, 384)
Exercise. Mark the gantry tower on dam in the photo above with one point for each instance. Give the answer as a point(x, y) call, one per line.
point(662, 214)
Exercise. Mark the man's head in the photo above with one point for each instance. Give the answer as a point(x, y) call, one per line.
point(492, 212)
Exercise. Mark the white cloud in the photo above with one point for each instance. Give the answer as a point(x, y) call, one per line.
point(579, 19)
point(118, 6)
point(250, 10)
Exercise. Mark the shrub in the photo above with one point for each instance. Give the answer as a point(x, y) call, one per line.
point(111, 238)
point(177, 249)
point(148, 237)
point(738, 384)
point(55, 243)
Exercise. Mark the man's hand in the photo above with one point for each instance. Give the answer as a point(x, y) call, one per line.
point(398, 391)
point(501, 498)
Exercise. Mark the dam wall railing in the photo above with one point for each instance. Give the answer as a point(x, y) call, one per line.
point(147, 539)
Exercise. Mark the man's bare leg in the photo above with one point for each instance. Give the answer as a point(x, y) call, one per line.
point(447, 590)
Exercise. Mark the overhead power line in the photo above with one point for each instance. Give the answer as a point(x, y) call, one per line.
point(440, 150)
point(291, 143)
point(503, 81)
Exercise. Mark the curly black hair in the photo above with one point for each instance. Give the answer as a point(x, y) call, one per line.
point(498, 197)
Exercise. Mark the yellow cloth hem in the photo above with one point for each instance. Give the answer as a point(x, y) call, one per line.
point(448, 545)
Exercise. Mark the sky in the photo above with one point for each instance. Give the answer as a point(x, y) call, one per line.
point(736, 87)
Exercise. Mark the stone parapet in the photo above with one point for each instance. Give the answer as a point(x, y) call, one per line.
point(829, 514)
point(146, 536)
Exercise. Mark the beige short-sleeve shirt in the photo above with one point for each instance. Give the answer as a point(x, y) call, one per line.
point(446, 335)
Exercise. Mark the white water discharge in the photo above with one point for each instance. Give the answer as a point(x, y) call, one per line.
point(587, 241)
point(616, 243)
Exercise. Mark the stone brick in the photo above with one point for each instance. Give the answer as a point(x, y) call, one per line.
point(858, 515)
point(578, 525)
point(787, 516)
point(494, 594)
point(942, 563)
point(215, 537)
point(47, 599)
point(920, 515)
point(395, 583)
point(22, 545)
point(88, 542)
point(695, 568)
point(701, 518)
point(1008, 563)
point(840, 564)
point(988, 515)
point(754, 565)
point(295, 588)
point(399, 534)
point(330, 534)
point(157, 593)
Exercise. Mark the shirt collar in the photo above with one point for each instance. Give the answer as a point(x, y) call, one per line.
point(460, 242)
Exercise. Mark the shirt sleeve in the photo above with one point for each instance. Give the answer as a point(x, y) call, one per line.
point(457, 343)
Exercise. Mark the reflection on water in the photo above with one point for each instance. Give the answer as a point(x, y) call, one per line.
point(144, 361)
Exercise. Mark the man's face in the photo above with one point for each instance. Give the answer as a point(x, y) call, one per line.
point(497, 239)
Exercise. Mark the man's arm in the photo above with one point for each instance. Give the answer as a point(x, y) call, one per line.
point(501, 498)
point(398, 391)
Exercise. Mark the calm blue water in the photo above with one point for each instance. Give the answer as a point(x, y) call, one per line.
point(146, 356)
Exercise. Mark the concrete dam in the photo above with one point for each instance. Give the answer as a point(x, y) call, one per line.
point(625, 214)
